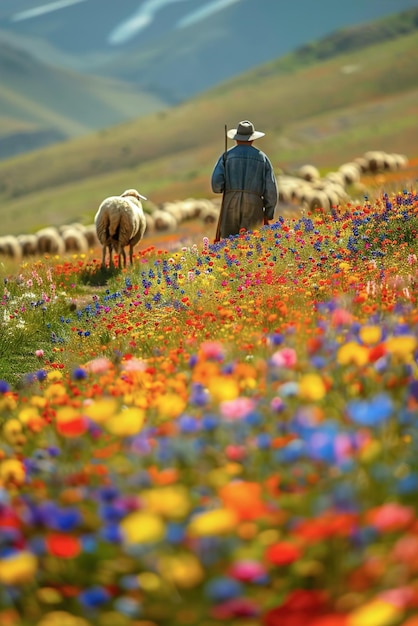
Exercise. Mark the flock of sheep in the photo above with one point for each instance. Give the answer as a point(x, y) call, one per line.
point(307, 189)
point(121, 220)
point(77, 238)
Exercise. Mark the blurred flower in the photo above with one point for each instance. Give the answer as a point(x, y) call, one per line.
point(311, 387)
point(353, 353)
point(377, 612)
point(237, 408)
point(282, 553)
point(370, 334)
point(141, 527)
point(215, 522)
point(182, 570)
point(286, 357)
point(126, 423)
point(18, 568)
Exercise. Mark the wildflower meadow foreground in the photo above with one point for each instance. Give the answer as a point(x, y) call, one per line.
point(220, 434)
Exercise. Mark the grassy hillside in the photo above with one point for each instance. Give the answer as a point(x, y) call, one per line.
point(60, 101)
point(325, 113)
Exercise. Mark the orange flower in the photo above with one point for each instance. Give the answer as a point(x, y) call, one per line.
point(244, 498)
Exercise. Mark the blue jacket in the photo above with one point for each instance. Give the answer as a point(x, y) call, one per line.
point(247, 170)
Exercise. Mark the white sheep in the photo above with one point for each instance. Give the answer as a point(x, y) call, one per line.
point(120, 222)
point(50, 241)
point(164, 221)
point(91, 236)
point(28, 245)
point(74, 240)
point(10, 247)
point(308, 172)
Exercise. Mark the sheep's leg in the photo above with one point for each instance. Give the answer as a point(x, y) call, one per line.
point(110, 255)
point(131, 255)
point(104, 256)
point(123, 253)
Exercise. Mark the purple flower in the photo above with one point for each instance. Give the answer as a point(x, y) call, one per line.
point(4, 386)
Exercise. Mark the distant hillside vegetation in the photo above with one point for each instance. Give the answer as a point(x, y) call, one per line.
point(359, 37)
point(323, 113)
point(56, 104)
point(342, 41)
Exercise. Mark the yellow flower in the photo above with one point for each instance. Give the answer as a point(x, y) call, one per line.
point(312, 387)
point(53, 376)
point(216, 522)
point(38, 401)
point(344, 266)
point(353, 353)
point(142, 527)
point(28, 414)
point(402, 346)
point(370, 334)
point(375, 613)
point(223, 389)
point(12, 469)
point(56, 390)
point(171, 502)
point(169, 406)
point(148, 581)
point(11, 429)
point(126, 423)
point(183, 570)
point(101, 410)
point(18, 568)
point(62, 618)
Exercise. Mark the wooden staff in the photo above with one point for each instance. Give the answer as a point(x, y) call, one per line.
point(218, 227)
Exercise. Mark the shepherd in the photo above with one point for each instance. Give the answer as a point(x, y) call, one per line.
point(245, 177)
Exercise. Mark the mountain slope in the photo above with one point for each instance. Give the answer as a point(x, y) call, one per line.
point(48, 103)
point(322, 113)
point(178, 48)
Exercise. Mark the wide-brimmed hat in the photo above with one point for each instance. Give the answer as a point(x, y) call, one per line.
point(244, 132)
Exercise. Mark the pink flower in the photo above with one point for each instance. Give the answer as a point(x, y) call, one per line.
point(247, 570)
point(135, 365)
point(391, 517)
point(286, 357)
point(340, 317)
point(39, 353)
point(236, 409)
point(98, 366)
point(212, 350)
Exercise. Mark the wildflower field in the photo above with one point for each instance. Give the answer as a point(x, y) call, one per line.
point(220, 434)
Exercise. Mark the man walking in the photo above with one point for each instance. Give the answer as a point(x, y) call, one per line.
point(246, 178)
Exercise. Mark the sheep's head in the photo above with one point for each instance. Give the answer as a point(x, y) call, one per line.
point(134, 193)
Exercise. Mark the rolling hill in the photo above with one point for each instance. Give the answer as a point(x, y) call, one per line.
point(177, 48)
point(41, 104)
point(323, 112)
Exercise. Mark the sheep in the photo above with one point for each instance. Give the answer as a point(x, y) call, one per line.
point(91, 236)
point(9, 246)
point(308, 172)
point(150, 222)
point(120, 222)
point(209, 215)
point(350, 173)
point(50, 241)
point(74, 240)
point(164, 220)
point(28, 245)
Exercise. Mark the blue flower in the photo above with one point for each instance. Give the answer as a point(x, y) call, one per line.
point(371, 413)
point(94, 597)
point(4, 386)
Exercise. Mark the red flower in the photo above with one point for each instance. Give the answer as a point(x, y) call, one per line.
point(282, 553)
point(299, 609)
